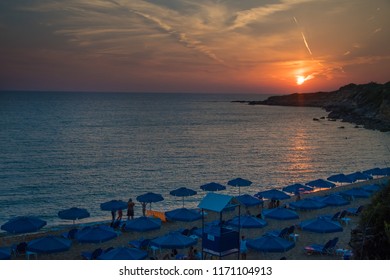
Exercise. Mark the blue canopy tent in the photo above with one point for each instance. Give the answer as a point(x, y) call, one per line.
point(321, 184)
point(23, 224)
point(280, 213)
point(213, 187)
point(183, 214)
point(142, 224)
point(220, 240)
point(124, 253)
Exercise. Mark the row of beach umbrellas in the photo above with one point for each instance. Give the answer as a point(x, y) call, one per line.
point(98, 234)
point(31, 224)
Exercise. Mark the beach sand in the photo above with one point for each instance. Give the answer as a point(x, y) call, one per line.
point(297, 253)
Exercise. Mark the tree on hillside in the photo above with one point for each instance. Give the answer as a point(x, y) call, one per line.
point(371, 239)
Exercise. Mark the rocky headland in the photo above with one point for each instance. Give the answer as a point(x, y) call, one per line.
point(367, 104)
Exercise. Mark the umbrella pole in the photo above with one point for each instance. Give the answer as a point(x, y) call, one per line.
point(183, 201)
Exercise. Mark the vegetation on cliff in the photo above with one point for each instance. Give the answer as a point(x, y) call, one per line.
point(371, 239)
point(366, 104)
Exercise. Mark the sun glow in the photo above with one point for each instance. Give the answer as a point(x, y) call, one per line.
point(300, 80)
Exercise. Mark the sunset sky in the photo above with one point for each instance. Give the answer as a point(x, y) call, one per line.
point(248, 46)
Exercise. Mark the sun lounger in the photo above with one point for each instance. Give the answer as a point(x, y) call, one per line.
point(329, 248)
point(92, 255)
point(156, 214)
point(355, 211)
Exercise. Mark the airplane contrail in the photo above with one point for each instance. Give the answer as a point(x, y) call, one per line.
point(306, 44)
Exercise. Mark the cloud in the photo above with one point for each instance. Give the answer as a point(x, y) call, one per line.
point(248, 16)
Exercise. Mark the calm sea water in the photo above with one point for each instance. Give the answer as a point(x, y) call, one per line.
point(81, 149)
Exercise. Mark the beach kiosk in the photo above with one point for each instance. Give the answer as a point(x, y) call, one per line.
point(219, 239)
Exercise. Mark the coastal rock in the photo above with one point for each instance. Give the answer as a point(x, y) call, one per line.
point(367, 105)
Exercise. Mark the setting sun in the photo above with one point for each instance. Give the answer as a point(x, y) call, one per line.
point(300, 80)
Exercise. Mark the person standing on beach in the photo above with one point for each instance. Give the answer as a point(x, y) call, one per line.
point(130, 209)
point(243, 248)
point(143, 208)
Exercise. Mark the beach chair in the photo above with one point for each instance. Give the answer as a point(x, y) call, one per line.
point(71, 234)
point(355, 211)
point(343, 219)
point(328, 248)
point(141, 243)
point(19, 249)
point(284, 233)
point(92, 255)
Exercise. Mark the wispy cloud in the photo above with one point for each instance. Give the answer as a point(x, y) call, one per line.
point(181, 37)
point(248, 16)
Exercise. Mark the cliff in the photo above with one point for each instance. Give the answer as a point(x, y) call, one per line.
point(366, 104)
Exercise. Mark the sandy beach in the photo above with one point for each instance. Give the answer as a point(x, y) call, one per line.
point(304, 238)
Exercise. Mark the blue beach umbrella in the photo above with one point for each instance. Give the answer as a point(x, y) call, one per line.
point(247, 221)
point(213, 187)
point(113, 205)
point(143, 224)
point(334, 200)
point(356, 192)
point(320, 183)
point(150, 197)
point(356, 176)
point(273, 194)
point(5, 253)
point(385, 171)
point(269, 243)
point(183, 192)
point(173, 240)
point(373, 172)
point(248, 200)
point(239, 182)
point(95, 234)
point(49, 244)
point(124, 253)
point(321, 225)
point(340, 178)
point(183, 214)
point(371, 188)
point(280, 213)
point(297, 188)
point(73, 213)
point(23, 224)
point(308, 204)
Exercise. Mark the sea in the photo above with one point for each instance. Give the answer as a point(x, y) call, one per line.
point(80, 149)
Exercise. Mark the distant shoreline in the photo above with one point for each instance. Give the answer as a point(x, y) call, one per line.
point(367, 104)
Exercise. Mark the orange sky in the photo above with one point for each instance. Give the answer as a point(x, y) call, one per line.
point(193, 45)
